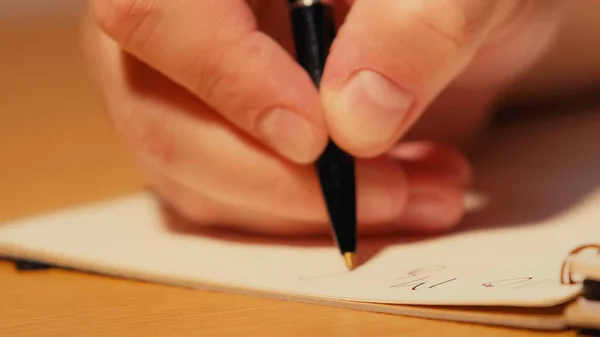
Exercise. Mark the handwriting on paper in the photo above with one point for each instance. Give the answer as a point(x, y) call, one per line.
point(421, 277)
point(424, 277)
point(515, 283)
point(430, 277)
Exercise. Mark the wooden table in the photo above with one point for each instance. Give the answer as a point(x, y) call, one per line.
point(58, 150)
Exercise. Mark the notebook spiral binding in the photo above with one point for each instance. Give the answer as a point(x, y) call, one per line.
point(581, 268)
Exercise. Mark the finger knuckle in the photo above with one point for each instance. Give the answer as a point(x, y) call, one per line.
point(185, 206)
point(216, 77)
point(271, 187)
point(197, 210)
point(281, 189)
point(207, 68)
point(454, 213)
point(147, 133)
point(121, 19)
point(456, 22)
point(278, 187)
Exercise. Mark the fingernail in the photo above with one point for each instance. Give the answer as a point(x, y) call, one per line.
point(370, 109)
point(289, 134)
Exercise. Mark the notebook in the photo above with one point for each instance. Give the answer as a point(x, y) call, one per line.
point(524, 257)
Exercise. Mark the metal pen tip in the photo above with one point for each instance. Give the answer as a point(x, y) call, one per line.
point(350, 259)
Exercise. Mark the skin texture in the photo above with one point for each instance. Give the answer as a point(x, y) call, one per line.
point(225, 124)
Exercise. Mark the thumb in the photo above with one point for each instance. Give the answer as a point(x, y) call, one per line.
point(392, 58)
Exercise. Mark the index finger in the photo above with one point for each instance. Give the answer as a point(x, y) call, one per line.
point(215, 50)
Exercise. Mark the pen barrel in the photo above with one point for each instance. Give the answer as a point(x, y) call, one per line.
point(314, 31)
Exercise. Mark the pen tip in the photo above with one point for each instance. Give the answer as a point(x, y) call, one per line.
point(350, 259)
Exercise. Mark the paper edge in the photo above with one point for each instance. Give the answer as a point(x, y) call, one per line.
point(482, 314)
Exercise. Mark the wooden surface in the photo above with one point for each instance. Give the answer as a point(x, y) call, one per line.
point(59, 150)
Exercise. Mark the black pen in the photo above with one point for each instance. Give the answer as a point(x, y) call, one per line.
point(314, 30)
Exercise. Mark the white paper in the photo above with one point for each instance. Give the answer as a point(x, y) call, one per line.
point(461, 269)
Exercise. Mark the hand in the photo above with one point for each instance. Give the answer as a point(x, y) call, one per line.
point(225, 124)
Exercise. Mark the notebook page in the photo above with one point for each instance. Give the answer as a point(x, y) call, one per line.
point(541, 182)
point(472, 268)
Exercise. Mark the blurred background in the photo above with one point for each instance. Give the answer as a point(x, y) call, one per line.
point(57, 147)
point(28, 11)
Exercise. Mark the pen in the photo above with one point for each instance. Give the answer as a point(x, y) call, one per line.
point(314, 30)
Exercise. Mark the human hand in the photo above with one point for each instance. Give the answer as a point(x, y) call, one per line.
point(225, 124)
